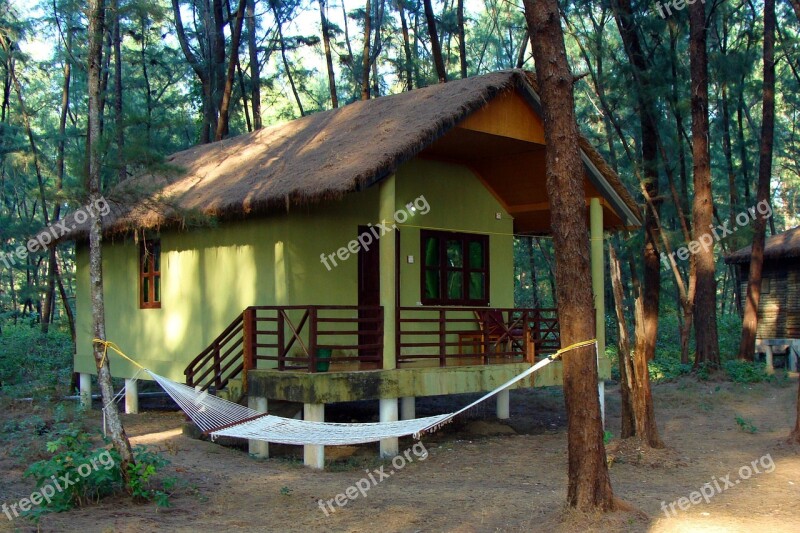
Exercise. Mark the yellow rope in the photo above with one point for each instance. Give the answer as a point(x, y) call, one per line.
point(109, 344)
point(580, 344)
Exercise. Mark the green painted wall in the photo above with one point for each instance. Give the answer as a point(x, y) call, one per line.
point(209, 275)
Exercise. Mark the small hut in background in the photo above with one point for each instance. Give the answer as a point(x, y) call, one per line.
point(779, 308)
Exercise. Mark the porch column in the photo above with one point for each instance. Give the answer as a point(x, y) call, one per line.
point(388, 413)
point(131, 396)
point(770, 369)
point(598, 286)
point(258, 448)
point(86, 390)
point(387, 205)
point(388, 262)
point(314, 455)
point(408, 408)
point(503, 405)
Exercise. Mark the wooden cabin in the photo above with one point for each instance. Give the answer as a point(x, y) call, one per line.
point(779, 307)
point(244, 267)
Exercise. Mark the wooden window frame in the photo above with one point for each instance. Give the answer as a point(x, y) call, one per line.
point(465, 269)
point(147, 256)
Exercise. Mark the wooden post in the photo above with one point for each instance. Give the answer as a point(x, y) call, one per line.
point(217, 377)
point(280, 327)
point(442, 338)
point(248, 333)
point(312, 338)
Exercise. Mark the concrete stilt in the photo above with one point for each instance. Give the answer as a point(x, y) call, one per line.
point(408, 408)
point(131, 396)
point(503, 405)
point(314, 455)
point(770, 367)
point(86, 390)
point(258, 448)
point(388, 413)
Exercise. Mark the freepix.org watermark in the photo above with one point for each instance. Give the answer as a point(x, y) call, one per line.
point(665, 10)
point(59, 484)
point(717, 233)
point(719, 485)
point(367, 238)
point(55, 231)
point(363, 485)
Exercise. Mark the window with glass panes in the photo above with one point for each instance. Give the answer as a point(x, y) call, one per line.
point(455, 268)
point(150, 275)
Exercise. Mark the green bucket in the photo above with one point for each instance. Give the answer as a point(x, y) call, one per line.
point(323, 359)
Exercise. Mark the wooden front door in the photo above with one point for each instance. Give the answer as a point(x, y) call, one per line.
point(369, 294)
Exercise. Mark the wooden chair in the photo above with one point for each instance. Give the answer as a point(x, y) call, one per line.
point(493, 329)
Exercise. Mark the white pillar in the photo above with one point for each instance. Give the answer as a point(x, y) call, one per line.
point(314, 455)
point(408, 408)
point(503, 404)
point(601, 390)
point(131, 396)
point(598, 289)
point(794, 351)
point(770, 367)
point(388, 413)
point(258, 448)
point(86, 390)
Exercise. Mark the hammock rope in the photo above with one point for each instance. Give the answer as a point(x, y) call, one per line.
point(218, 417)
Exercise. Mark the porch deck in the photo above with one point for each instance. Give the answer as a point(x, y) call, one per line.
point(437, 350)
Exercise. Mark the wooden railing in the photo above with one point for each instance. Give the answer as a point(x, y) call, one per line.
point(462, 335)
point(222, 361)
point(295, 337)
point(292, 338)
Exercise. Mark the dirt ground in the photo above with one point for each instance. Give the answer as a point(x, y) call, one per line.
point(479, 475)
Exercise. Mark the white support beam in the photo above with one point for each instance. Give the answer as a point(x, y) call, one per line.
point(314, 455)
point(258, 448)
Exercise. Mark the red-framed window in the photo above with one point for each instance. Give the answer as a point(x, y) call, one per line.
point(455, 268)
point(150, 275)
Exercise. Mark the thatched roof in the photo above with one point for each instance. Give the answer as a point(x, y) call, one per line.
point(781, 246)
point(314, 158)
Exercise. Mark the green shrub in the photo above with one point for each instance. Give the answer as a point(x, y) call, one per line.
point(663, 369)
point(92, 474)
point(745, 371)
point(34, 364)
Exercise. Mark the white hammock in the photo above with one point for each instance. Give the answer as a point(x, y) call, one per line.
point(218, 417)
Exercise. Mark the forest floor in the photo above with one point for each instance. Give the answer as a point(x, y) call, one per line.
point(479, 475)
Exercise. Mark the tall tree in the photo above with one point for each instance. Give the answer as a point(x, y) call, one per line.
point(705, 306)
point(751, 301)
point(115, 428)
point(233, 60)
point(365, 53)
point(326, 41)
point(589, 485)
point(436, 48)
point(462, 38)
point(628, 420)
point(255, 70)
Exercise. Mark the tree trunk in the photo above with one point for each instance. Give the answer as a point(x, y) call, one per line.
point(119, 128)
point(255, 71)
point(224, 108)
point(376, 47)
point(650, 139)
point(282, 43)
point(436, 49)
point(796, 7)
point(117, 431)
point(628, 428)
point(326, 41)
point(406, 46)
point(705, 319)
point(589, 486)
point(462, 38)
point(750, 321)
point(52, 272)
point(365, 51)
point(795, 435)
